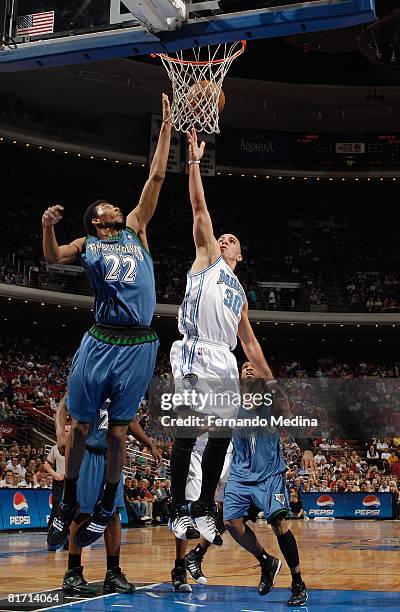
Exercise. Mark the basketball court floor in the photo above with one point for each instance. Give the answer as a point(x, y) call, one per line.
point(345, 564)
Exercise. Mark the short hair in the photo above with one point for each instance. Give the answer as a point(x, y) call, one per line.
point(89, 214)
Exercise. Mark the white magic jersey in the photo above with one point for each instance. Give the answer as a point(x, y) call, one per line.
point(212, 307)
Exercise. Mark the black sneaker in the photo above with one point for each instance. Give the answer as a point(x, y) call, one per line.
point(93, 528)
point(204, 519)
point(269, 571)
point(58, 531)
point(75, 584)
point(193, 565)
point(116, 582)
point(181, 524)
point(299, 595)
point(179, 580)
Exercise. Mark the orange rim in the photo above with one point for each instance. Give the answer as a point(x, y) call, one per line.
point(222, 60)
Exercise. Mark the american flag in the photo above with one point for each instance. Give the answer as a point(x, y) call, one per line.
point(38, 23)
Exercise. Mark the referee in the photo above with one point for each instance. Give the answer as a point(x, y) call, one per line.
point(55, 465)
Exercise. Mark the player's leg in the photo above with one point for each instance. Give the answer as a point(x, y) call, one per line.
point(178, 573)
point(212, 463)
point(133, 367)
point(74, 582)
point(288, 545)
point(85, 395)
point(115, 580)
point(237, 501)
point(181, 523)
point(274, 500)
point(224, 393)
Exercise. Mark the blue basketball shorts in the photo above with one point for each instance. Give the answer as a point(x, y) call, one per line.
point(270, 495)
point(91, 483)
point(100, 371)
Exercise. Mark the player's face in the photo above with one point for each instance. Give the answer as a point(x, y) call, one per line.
point(230, 248)
point(248, 371)
point(109, 215)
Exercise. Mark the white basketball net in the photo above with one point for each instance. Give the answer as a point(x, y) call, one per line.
point(197, 76)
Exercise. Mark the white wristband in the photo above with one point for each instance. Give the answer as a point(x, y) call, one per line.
point(191, 162)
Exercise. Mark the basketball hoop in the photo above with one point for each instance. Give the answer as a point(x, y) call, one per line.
point(197, 76)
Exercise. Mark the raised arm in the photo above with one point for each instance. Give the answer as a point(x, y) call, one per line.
point(255, 355)
point(53, 253)
point(141, 215)
point(207, 249)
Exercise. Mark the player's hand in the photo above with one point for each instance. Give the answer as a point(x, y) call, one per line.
point(58, 477)
point(61, 443)
point(196, 152)
point(156, 454)
point(52, 215)
point(166, 109)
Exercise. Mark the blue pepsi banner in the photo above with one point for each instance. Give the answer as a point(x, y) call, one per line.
point(348, 505)
point(252, 148)
point(328, 505)
point(369, 505)
point(19, 509)
point(45, 503)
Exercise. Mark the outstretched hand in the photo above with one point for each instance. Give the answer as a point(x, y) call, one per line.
point(52, 215)
point(166, 108)
point(196, 152)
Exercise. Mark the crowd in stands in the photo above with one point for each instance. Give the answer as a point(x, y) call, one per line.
point(370, 270)
point(23, 466)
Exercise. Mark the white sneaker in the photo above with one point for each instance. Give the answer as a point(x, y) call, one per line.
point(205, 523)
point(181, 524)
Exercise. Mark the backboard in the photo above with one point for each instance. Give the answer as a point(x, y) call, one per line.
point(40, 34)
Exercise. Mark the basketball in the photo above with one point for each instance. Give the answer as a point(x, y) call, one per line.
point(202, 91)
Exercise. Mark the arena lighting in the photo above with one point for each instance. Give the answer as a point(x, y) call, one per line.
point(377, 325)
point(276, 323)
point(65, 152)
point(14, 142)
point(254, 175)
point(104, 158)
point(75, 308)
point(293, 178)
point(279, 177)
point(331, 179)
point(292, 324)
point(27, 144)
point(308, 324)
point(9, 299)
point(53, 150)
point(42, 304)
point(229, 173)
point(381, 178)
point(341, 325)
point(267, 176)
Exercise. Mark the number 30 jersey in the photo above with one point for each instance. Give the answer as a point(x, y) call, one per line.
point(213, 303)
point(122, 277)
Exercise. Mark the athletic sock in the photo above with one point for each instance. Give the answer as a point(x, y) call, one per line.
point(287, 544)
point(74, 561)
point(69, 495)
point(180, 563)
point(296, 578)
point(263, 557)
point(110, 491)
point(199, 551)
point(112, 561)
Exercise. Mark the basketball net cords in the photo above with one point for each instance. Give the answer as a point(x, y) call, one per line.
point(194, 105)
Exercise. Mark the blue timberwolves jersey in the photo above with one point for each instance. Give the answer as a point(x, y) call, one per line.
point(257, 452)
point(98, 429)
point(122, 276)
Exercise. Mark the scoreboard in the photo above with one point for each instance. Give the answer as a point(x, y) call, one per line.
point(330, 151)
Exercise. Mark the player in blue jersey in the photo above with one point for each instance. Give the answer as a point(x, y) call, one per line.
point(90, 482)
point(258, 477)
point(117, 355)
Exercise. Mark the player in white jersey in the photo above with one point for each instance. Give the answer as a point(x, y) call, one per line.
point(214, 312)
